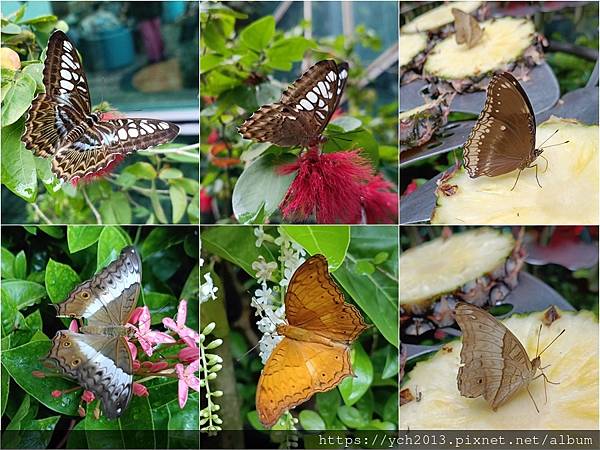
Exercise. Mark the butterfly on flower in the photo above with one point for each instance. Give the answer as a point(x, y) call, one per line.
point(62, 126)
point(304, 110)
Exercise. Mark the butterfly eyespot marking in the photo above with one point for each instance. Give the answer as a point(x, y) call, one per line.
point(75, 362)
point(66, 344)
point(85, 295)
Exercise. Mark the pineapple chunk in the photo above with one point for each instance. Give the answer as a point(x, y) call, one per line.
point(438, 17)
point(503, 41)
point(444, 265)
point(569, 193)
point(572, 404)
point(410, 46)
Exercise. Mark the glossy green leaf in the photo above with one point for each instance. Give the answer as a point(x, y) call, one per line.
point(178, 202)
point(327, 405)
point(311, 421)
point(55, 231)
point(116, 209)
point(390, 409)
point(352, 417)
point(391, 367)
point(18, 167)
point(261, 188)
point(353, 388)
point(330, 241)
point(258, 34)
point(60, 280)
point(80, 237)
point(20, 265)
point(142, 170)
point(24, 293)
point(17, 100)
point(110, 243)
point(8, 261)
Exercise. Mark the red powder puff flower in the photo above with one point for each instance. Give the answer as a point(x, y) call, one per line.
point(380, 202)
point(205, 202)
point(328, 185)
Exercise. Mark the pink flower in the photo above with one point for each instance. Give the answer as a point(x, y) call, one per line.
point(179, 326)
point(88, 396)
point(158, 366)
point(190, 353)
point(147, 337)
point(328, 185)
point(74, 326)
point(380, 202)
point(187, 380)
point(140, 390)
point(132, 349)
point(56, 393)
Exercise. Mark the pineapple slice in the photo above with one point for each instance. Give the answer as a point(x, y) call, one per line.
point(467, 263)
point(411, 44)
point(572, 404)
point(569, 193)
point(419, 124)
point(503, 41)
point(436, 18)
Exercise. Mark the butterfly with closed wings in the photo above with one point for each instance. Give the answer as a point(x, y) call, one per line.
point(503, 139)
point(62, 126)
point(304, 110)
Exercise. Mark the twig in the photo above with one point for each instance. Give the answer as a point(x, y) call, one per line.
point(91, 205)
point(41, 214)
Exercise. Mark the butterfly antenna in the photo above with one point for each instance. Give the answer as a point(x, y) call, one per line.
point(537, 347)
point(559, 335)
point(237, 360)
point(553, 145)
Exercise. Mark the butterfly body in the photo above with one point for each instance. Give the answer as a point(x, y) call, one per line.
point(503, 139)
point(99, 357)
point(495, 364)
point(61, 125)
point(304, 110)
point(314, 354)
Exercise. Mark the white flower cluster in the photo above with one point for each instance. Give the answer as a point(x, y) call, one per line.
point(208, 290)
point(270, 306)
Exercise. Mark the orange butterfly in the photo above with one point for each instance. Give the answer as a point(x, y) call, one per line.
point(314, 355)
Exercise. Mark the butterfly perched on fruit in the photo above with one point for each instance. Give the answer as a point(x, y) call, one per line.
point(314, 355)
point(503, 139)
point(304, 109)
point(62, 126)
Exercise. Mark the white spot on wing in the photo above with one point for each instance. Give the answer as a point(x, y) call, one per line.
point(133, 132)
point(122, 134)
point(306, 104)
point(312, 97)
point(66, 85)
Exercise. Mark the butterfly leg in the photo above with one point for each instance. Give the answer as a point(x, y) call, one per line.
point(536, 174)
point(531, 397)
point(516, 181)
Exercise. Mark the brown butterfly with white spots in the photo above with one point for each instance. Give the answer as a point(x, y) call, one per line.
point(304, 110)
point(62, 126)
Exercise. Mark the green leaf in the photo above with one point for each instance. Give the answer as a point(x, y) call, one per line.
point(330, 241)
point(258, 34)
point(116, 209)
point(161, 238)
point(327, 405)
point(4, 388)
point(352, 417)
point(81, 237)
point(24, 293)
point(376, 293)
point(353, 388)
point(235, 244)
point(169, 173)
point(10, 314)
point(18, 169)
point(60, 280)
point(285, 51)
point(160, 305)
point(252, 417)
point(20, 415)
point(391, 367)
point(21, 265)
point(311, 421)
point(178, 202)
point(156, 206)
point(8, 261)
point(142, 170)
point(21, 361)
point(260, 187)
point(18, 99)
point(390, 409)
point(51, 230)
point(110, 243)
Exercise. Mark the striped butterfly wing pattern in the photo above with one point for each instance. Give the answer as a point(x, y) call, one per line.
point(98, 357)
point(503, 139)
point(303, 111)
point(61, 125)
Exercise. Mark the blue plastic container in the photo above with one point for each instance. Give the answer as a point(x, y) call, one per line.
point(172, 11)
point(117, 46)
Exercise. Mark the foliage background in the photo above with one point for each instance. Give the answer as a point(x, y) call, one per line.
point(40, 265)
point(150, 187)
point(245, 63)
point(367, 270)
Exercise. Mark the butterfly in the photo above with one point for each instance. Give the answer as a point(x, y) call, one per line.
point(99, 357)
point(493, 361)
point(314, 355)
point(303, 111)
point(467, 28)
point(61, 125)
point(503, 139)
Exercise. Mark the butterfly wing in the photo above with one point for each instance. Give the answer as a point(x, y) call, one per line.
point(110, 296)
point(66, 102)
point(294, 372)
point(100, 364)
point(304, 109)
point(468, 30)
point(494, 363)
point(108, 142)
point(314, 302)
point(503, 139)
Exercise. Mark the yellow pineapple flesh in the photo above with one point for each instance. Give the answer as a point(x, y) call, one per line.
point(438, 17)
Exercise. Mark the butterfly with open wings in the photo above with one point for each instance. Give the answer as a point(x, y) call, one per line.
point(62, 126)
point(304, 110)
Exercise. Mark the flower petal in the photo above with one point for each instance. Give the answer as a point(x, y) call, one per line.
point(182, 393)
